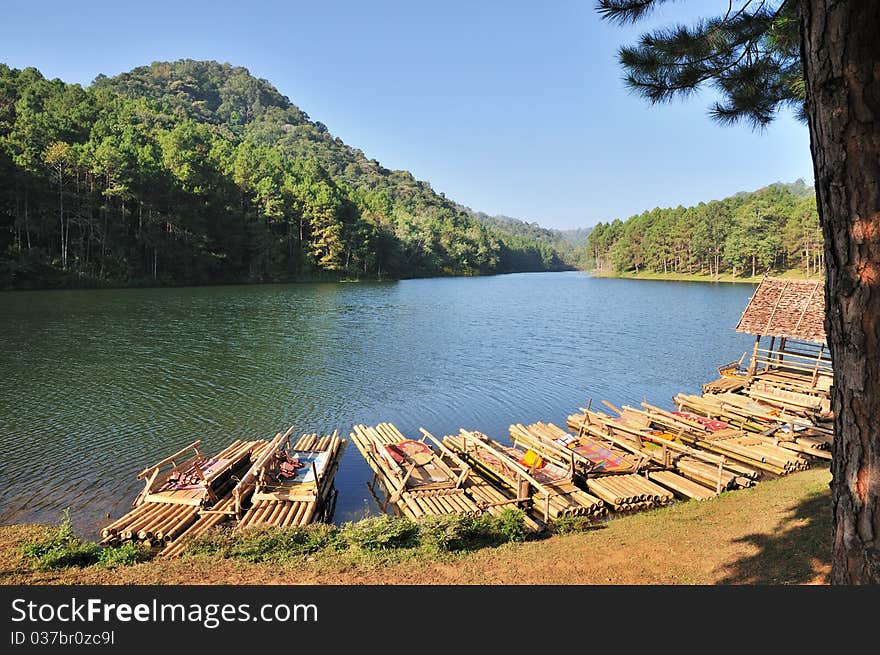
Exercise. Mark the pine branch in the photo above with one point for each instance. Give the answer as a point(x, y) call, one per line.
point(626, 11)
point(751, 56)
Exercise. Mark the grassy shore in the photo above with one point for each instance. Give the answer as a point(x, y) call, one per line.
point(778, 532)
point(793, 274)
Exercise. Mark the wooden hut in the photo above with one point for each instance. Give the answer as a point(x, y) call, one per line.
point(790, 353)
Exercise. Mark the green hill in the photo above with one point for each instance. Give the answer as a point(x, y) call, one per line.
point(198, 172)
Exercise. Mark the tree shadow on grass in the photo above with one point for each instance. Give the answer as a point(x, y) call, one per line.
point(797, 551)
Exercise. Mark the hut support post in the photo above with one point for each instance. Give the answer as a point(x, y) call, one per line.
point(815, 377)
point(753, 365)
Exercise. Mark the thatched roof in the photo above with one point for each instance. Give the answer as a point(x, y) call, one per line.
point(794, 309)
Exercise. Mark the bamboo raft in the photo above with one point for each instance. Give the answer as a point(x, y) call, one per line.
point(608, 470)
point(683, 466)
point(796, 379)
point(755, 451)
point(541, 487)
point(809, 405)
point(221, 512)
point(581, 453)
point(176, 495)
point(493, 499)
point(419, 480)
point(724, 384)
point(280, 496)
point(787, 431)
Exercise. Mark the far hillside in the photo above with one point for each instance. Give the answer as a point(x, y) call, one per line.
point(196, 172)
point(555, 248)
point(774, 230)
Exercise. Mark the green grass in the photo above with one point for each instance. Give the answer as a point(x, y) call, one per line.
point(370, 539)
point(59, 548)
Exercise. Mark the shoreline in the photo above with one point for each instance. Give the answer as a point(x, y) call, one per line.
point(726, 278)
point(777, 532)
point(95, 285)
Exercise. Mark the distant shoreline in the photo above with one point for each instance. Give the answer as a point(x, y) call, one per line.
point(696, 277)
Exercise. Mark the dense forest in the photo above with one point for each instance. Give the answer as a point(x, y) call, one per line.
point(197, 172)
point(773, 229)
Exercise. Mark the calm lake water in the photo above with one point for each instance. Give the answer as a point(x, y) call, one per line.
point(95, 385)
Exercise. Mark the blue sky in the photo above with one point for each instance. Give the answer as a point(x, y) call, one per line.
point(507, 107)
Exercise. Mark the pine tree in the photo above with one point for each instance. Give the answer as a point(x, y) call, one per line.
point(820, 57)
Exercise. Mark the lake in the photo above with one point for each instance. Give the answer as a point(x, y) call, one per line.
point(97, 384)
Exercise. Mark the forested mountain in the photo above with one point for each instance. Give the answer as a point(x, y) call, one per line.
point(773, 229)
point(198, 172)
point(555, 249)
point(576, 236)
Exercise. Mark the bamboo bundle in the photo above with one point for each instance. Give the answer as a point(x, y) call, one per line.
point(163, 517)
point(420, 478)
point(808, 446)
point(207, 520)
point(808, 380)
point(111, 530)
point(707, 474)
point(796, 401)
point(629, 492)
point(766, 451)
point(724, 384)
point(682, 486)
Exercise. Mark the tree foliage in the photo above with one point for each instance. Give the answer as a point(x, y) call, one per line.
point(750, 55)
point(772, 229)
point(197, 172)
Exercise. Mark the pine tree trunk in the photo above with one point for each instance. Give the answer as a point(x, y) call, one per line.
point(27, 227)
point(841, 51)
